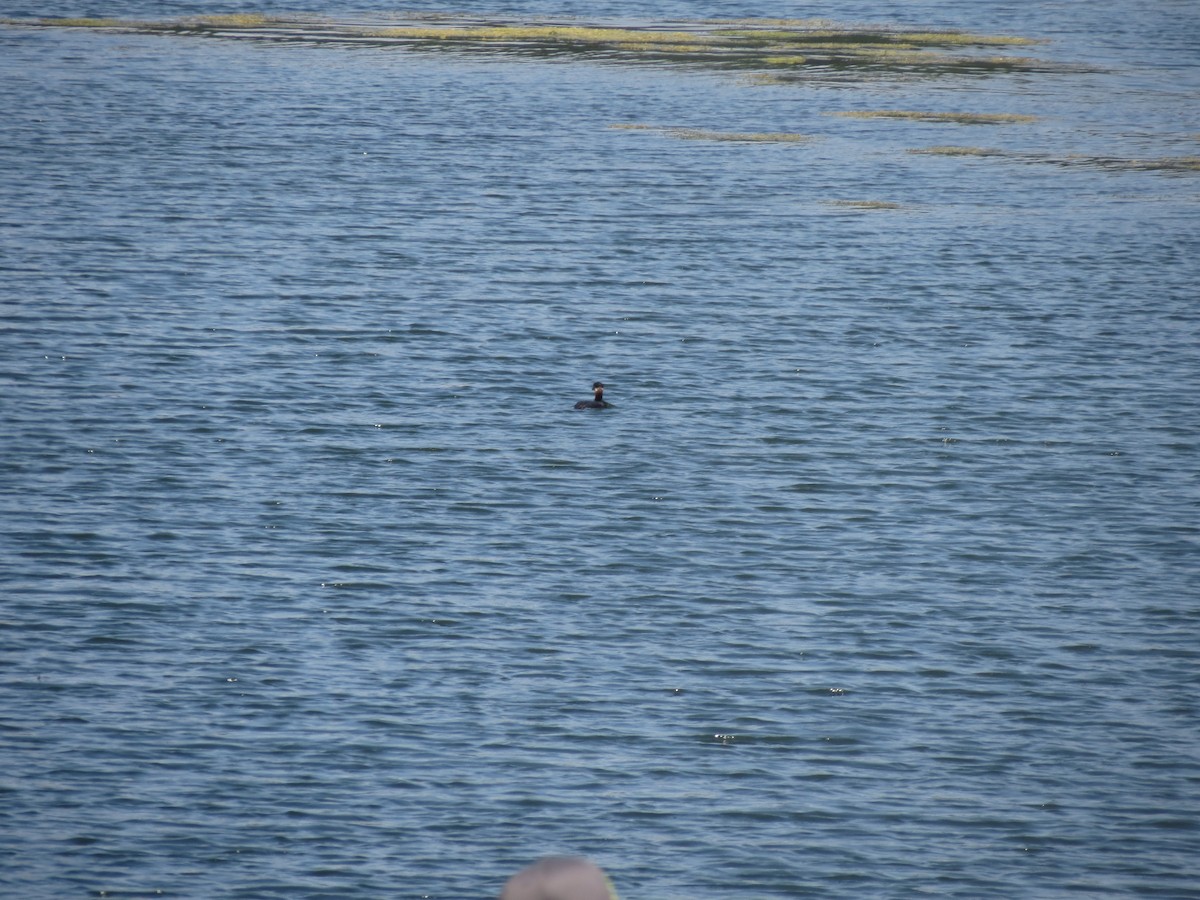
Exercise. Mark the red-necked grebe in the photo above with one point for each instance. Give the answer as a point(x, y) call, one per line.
point(598, 402)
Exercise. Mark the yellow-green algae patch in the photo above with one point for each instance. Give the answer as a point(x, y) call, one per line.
point(953, 38)
point(762, 44)
point(233, 20)
point(955, 118)
point(84, 23)
point(958, 151)
point(555, 34)
point(648, 48)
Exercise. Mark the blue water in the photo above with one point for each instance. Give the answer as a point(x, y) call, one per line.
point(881, 578)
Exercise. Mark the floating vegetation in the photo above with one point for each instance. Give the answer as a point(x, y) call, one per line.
point(656, 48)
point(80, 23)
point(551, 34)
point(958, 38)
point(766, 78)
point(955, 118)
point(750, 45)
point(1169, 164)
point(842, 36)
point(233, 20)
point(865, 204)
point(698, 134)
point(1160, 164)
point(761, 51)
point(958, 151)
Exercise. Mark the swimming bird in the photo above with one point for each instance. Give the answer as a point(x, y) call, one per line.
point(598, 402)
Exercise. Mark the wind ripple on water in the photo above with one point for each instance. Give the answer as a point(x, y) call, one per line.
point(878, 579)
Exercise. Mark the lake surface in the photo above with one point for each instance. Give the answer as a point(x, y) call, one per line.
point(880, 579)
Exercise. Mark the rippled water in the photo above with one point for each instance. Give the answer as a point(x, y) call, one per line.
point(880, 579)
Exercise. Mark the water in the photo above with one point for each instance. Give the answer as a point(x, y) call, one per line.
point(879, 581)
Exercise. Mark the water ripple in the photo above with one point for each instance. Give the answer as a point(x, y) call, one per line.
point(877, 579)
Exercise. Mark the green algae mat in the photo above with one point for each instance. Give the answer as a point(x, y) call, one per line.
point(759, 51)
